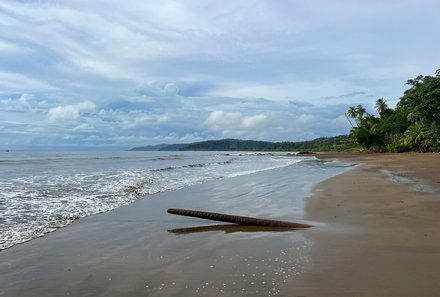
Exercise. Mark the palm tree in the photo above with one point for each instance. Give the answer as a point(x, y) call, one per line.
point(381, 107)
point(352, 113)
point(361, 111)
point(357, 112)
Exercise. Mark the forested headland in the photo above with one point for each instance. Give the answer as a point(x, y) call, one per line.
point(335, 143)
point(413, 125)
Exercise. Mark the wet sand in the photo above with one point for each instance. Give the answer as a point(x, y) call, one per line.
point(382, 235)
point(376, 234)
point(141, 250)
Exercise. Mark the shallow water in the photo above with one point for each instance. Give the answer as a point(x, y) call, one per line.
point(140, 250)
point(43, 191)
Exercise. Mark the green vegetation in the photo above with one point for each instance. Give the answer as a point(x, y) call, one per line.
point(323, 144)
point(228, 145)
point(414, 125)
point(336, 143)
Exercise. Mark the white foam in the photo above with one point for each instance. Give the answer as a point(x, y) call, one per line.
point(32, 205)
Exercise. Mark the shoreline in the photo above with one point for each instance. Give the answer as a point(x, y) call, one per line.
point(381, 228)
point(376, 234)
point(140, 249)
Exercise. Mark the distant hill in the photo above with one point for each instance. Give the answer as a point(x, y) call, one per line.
point(160, 147)
point(336, 143)
point(156, 147)
point(228, 145)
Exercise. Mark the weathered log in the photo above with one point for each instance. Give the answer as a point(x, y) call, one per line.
point(236, 219)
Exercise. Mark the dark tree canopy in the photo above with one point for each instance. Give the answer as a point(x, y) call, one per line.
point(414, 125)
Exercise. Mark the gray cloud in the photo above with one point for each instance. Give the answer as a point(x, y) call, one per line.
point(130, 72)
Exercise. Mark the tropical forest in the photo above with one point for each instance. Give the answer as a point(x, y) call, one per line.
point(413, 125)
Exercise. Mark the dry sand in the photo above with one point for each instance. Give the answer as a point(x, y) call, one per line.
point(382, 235)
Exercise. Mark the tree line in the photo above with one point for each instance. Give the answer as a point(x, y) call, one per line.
point(413, 125)
point(335, 143)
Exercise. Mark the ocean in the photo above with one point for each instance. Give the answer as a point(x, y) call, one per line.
point(41, 192)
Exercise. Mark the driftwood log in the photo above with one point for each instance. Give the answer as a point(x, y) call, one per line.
point(240, 220)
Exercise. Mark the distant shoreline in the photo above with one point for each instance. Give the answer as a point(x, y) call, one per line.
point(335, 143)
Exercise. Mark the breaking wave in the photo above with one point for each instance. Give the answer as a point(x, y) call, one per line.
point(43, 194)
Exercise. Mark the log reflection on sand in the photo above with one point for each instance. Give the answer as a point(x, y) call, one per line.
point(230, 228)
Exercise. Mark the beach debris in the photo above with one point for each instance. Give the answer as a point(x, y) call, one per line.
point(240, 220)
point(304, 153)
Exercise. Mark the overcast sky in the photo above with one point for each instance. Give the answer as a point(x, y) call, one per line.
point(127, 73)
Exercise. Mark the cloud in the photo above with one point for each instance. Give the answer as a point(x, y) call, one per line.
point(17, 82)
point(179, 70)
point(220, 120)
point(155, 89)
point(141, 119)
point(228, 46)
point(306, 119)
point(70, 111)
point(23, 103)
point(24, 98)
point(7, 47)
point(81, 127)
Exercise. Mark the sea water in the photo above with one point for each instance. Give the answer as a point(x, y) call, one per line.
point(43, 191)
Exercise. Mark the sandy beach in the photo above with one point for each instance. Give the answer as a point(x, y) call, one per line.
point(376, 234)
point(141, 250)
point(381, 237)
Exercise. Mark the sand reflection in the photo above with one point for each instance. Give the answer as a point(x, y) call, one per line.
point(230, 228)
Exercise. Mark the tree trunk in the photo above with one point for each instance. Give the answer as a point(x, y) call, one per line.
point(236, 219)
